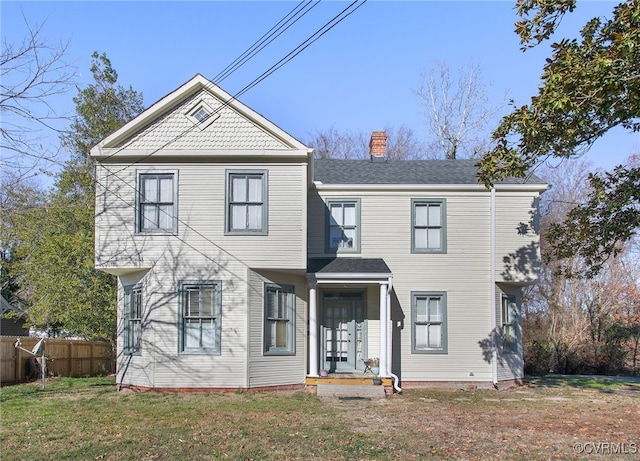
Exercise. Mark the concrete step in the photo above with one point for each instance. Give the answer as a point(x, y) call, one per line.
point(350, 391)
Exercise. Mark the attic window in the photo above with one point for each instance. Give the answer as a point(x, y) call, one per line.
point(201, 115)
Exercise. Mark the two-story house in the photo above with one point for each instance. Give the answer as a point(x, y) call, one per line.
point(243, 263)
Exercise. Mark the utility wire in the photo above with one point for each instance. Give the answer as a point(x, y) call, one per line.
point(292, 17)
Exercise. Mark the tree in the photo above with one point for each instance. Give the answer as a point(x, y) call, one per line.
point(457, 111)
point(589, 86)
point(332, 143)
point(32, 73)
point(587, 325)
point(56, 250)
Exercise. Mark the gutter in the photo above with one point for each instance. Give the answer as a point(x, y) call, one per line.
point(492, 294)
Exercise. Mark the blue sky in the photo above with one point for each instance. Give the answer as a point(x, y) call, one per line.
point(360, 76)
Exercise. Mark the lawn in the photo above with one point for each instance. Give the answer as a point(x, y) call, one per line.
point(552, 418)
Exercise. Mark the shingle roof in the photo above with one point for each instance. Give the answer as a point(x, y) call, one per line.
point(335, 171)
point(347, 266)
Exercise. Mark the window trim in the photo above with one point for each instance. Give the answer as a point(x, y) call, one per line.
point(229, 174)
point(327, 228)
point(195, 108)
point(138, 202)
point(130, 292)
point(182, 286)
point(290, 349)
point(509, 346)
point(444, 331)
point(443, 226)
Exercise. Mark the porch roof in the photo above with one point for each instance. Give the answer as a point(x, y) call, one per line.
point(332, 266)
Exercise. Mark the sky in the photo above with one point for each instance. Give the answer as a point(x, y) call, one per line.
point(360, 76)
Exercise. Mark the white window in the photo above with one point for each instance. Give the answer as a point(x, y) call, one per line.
point(509, 324)
point(279, 315)
point(429, 315)
point(156, 203)
point(246, 202)
point(429, 226)
point(132, 323)
point(200, 307)
point(201, 114)
point(343, 225)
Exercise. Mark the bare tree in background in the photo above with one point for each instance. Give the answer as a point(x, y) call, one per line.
point(458, 111)
point(402, 144)
point(31, 74)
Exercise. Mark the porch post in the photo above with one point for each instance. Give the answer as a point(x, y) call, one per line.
point(313, 329)
point(384, 328)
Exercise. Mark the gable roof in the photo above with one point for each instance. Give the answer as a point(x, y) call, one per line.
point(405, 172)
point(167, 124)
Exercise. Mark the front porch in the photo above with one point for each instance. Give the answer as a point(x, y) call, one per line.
point(350, 385)
point(349, 317)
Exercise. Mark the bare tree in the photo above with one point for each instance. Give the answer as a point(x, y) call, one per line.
point(31, 73)
point(402, 144)
point(457, 111)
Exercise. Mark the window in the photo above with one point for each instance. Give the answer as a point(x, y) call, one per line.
point(509, 324)
point(279, 315)
point(132, 319)
point(429, 314)
point(429, 226)
point(200, 305)
point(156, 203)
point(246, 202)
point(201, 115)
point(343, 225)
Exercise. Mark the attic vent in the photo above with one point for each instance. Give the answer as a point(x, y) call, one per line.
point(202, 115)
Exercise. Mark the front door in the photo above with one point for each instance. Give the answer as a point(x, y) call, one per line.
point(343, 332)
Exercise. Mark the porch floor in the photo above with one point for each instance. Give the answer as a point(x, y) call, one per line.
point(346, 379)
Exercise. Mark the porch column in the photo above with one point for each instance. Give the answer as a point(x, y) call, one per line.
point(384, 328)
point(313, 329)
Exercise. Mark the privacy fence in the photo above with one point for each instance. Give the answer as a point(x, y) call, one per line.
point(65, 357)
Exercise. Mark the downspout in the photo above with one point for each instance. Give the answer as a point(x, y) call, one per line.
point(492, 259)
point(396, 380)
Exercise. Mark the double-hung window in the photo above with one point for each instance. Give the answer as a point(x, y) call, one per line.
point(343, 225)
point(429, 328)
point(246, 202)
point(279, 316)
point(132, 319)
point(429, 226)
point(509, 323)
point(200, 307)
point(156, 203)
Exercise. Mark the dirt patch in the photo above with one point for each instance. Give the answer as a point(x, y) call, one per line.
point(530, 422)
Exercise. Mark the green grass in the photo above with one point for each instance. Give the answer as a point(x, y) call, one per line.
point(87, 419)
point(600, 383)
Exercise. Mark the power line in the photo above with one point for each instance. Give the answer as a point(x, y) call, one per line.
point(292, 17)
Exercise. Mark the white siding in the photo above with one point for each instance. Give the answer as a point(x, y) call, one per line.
point(270, 370)
point(463, 272)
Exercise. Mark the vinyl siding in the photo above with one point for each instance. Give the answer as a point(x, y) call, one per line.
point(463, 272)
point(200, 251)
point(273, 370)
point(201, 208)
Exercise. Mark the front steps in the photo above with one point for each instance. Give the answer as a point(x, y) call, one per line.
point(350, 386)
point(350, 391)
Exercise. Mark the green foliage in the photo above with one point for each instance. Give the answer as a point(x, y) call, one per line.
point(588, 87)
point(595, 229)
point(53, 242)
point(101, 108)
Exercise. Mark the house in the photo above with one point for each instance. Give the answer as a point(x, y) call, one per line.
point(12, 319)
point(245, 263)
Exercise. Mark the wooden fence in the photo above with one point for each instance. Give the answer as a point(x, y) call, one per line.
point(65, 357)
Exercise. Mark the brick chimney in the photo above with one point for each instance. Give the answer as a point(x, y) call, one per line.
point(378, 145)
